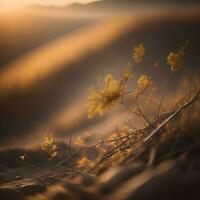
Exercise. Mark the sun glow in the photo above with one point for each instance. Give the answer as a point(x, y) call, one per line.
point(22, 3)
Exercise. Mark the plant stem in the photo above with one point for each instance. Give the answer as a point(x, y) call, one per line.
point(164, 94)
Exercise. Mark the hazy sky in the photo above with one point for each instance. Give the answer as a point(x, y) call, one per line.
point(19, 3)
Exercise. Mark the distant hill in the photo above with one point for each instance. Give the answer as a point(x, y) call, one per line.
point(119, 4)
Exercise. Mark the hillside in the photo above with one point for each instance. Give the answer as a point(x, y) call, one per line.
point(119, 5)
point(108, 55)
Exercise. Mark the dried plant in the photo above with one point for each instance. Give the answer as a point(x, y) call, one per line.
point(121, 144)
point(138, 53)
point(49, 146)
point(175, 62)
point(82, 140)
point(144, 82)
point(100, 101)
point(175, 59)
point(84, 163)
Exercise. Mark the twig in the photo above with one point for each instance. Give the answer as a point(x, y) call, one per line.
point(140, 115)
point(120, 147)
point(148, 139)
point(172, 116)
point(70, 144)
point(63, 161)
point(118, 138)
point(164, 94)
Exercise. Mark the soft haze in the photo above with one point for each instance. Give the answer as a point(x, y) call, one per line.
point(21, 3)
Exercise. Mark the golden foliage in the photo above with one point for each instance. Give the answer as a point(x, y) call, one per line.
point(85, 162)
point(82, 140)
point(49, 146)
point(112, 136)
point(79, 141)
point(120, 155)
point(100, 101)
point(117, 157)
point(175, 59)
point(143, 82)
point(126, 75)
point(138, 53)
point(102, 150)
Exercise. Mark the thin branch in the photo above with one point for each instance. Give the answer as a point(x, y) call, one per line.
point(122, 146)
point(149, 138)
point(164, 94)
point(63, 161)
point(141, 115)
point(70, 144)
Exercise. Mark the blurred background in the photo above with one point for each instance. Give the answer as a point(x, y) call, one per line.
point(51, 52)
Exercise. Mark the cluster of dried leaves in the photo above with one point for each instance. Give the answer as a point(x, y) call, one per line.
point(49, 145)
